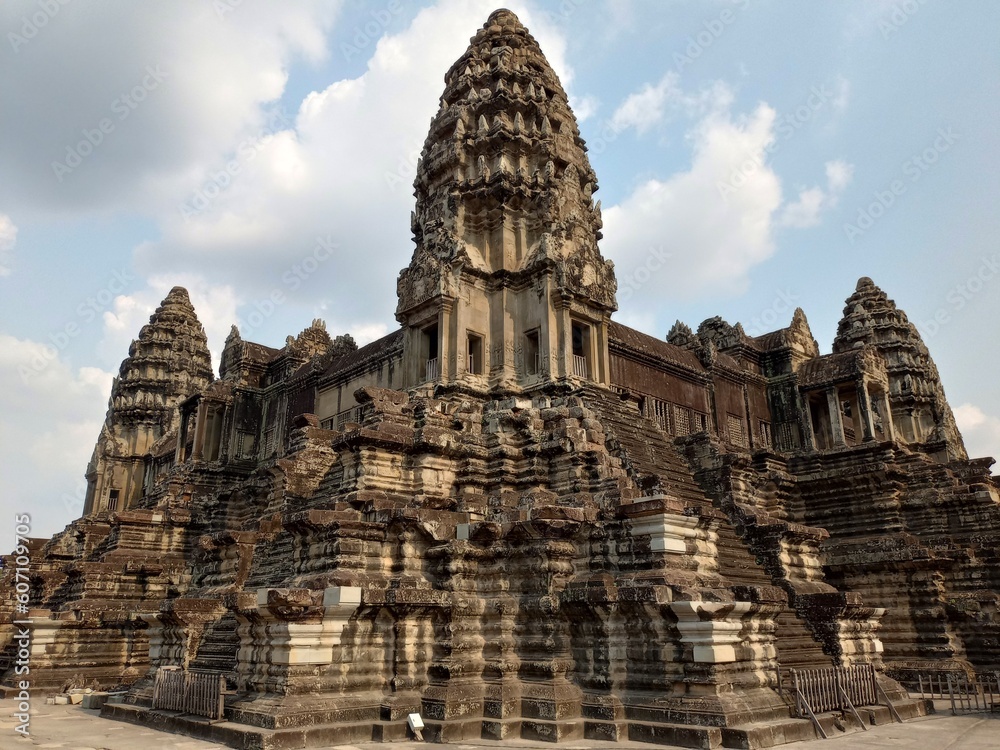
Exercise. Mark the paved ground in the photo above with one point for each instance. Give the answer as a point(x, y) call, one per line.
point(75, 728)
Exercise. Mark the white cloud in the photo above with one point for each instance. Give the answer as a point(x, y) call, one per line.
point(647, 107)
point(585, 107)
point(209, 79)
point(807, 210)
point(655, 104)
point(710, 239)
point(980, 430)
point(8, 238)
point(52, 415)
point(839, 175)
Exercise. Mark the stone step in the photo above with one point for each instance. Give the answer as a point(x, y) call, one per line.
point(677, 735)
point(243, 736)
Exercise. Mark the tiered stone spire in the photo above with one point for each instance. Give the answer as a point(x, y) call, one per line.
point(920, 409)
point(504, 187)
point(166, 364)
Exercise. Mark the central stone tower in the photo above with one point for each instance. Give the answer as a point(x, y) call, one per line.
point(507, 288)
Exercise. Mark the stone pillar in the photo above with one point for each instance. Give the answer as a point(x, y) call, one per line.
point(451, 342)
point(865, 410)
point(199, 432)
point(806, 423)
point(836, 418)
point(564, 333)
point(885, 411)
point(182, 436)
point(503, 327)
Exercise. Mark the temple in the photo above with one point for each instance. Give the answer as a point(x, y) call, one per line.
point(513, 515)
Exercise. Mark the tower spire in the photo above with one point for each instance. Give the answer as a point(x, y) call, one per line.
point(166, 364)
point(504, 202)
point(920, 409)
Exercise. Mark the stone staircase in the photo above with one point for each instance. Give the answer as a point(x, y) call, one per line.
point(658, 466)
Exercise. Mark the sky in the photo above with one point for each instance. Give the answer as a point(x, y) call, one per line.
point(753, 155)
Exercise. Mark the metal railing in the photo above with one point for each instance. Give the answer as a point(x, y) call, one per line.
point(979, 694)
point(340, 420)
point(837, 689)
point(198, 693)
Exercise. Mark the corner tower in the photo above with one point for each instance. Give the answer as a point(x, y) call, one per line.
point(507, 288)
point(920, 411)
point(166, 364)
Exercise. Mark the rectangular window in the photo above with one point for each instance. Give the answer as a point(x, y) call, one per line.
point(532, 353)
point(765, 434)
point(700, 422)
point(682, 421)
point(430, 352)
point(113, 500)
point(658, 411)
point(581, 349)
point(737, 431)
point(475, 363)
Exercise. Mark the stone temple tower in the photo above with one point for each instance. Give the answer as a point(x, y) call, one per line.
point(920, 411)
point(507, 288)
point(166, 364)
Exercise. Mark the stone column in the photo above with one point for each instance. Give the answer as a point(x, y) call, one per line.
point(805, 422)
point(450, 342)
point(199, 432)
point(885, 411)
point(865, 410)
point(182, 437)
point(836, 418)
point(564, 333)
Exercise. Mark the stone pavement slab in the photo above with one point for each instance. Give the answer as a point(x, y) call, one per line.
point(75, 728)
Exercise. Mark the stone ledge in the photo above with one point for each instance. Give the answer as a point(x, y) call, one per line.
point(245, 737)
